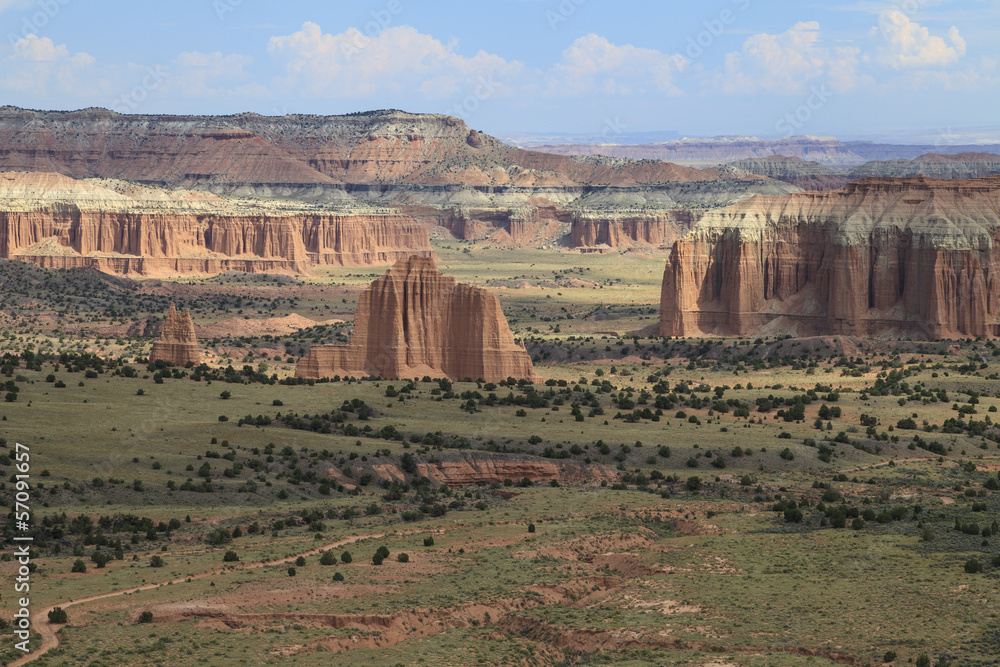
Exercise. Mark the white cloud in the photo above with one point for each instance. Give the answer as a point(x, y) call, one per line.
point(788, 62)
point(910, 45)
point(397, 60)
point(40, 65)
point(978, 76)
point(592, 64)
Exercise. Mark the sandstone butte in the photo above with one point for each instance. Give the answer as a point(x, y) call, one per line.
point(177, 343)
point(117, 227)
point(414, 321)
point(911, 256)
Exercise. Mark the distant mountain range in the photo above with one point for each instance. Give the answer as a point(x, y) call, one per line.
point(827, 151)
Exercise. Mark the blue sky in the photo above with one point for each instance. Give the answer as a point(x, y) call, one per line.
point(870, 69)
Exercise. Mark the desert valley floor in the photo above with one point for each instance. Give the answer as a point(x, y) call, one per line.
point(761, 500)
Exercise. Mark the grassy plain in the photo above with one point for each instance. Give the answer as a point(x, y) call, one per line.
point(735, 534)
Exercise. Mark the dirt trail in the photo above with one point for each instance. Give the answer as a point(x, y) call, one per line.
point(50, 637)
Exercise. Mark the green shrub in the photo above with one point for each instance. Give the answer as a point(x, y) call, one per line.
point(79, 566)
point(345, 557)
point(230, 557)
point(146, 617)
point(973, 566)
point(403, 558)
point(429, 541)
point(57, 615)
point(157, 561)
point(328, 558)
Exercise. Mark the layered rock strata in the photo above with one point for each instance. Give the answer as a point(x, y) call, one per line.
point(413, 321)
point(801, 173)
point(56, 222)
point(907, 257)
point(178, 343)
point(385, 157)
point(656, 229)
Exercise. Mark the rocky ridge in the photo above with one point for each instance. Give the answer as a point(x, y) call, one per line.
point(828, 151)
point(414, 322)
point(815, 176)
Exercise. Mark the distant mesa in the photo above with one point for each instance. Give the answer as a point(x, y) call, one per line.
point(177, 343)
point(815, 176)
point(882, 256)
point(413, 322)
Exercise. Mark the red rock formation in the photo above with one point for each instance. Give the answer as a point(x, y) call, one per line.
point(54, 221)
point(177, 343)
point(659, 229)
point(413, 322)
point(905, 256)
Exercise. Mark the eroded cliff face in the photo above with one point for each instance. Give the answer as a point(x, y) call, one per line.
point(54, 221)
point(178, 343)
point(413, 321)
point(900, 256)
point(657, 229)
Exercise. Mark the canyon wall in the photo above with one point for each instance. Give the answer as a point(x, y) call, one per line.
point(413, 321)
point(905, 257)
point(54, 221)
point(621, 230)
